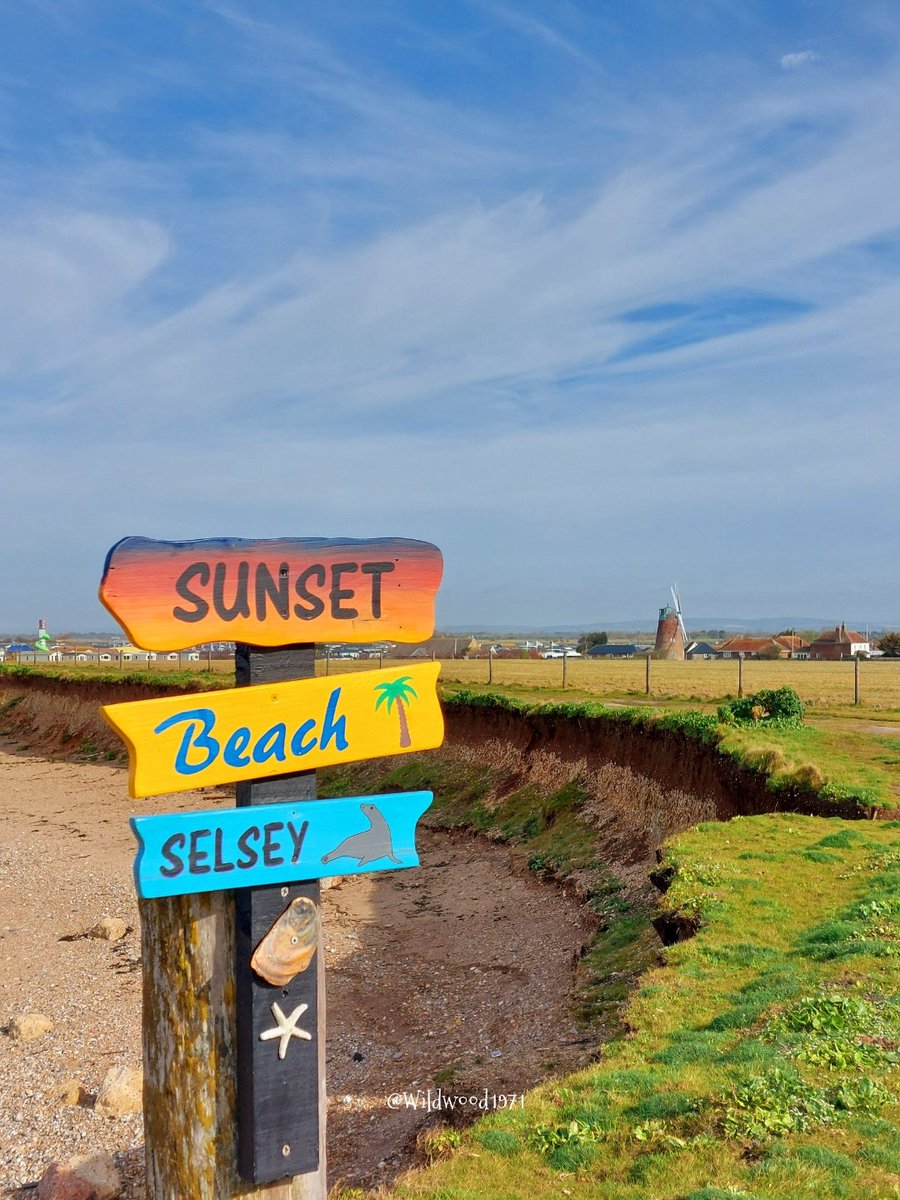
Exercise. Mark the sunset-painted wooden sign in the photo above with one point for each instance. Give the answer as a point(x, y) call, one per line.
point(176, 743)
point(271, 592)
point(181, 853)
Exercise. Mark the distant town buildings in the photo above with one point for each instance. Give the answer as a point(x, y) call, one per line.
point(613, 650)
point(113, 651)
point(779, 646)
point(833, 645)
point(700, 650)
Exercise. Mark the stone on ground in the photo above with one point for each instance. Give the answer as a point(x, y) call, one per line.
point(109, 929)
point(27, 1027)
point(120, 1092)
point(85, 1177)
point(69, 1092)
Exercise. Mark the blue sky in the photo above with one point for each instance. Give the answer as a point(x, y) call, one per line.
point(595, 296)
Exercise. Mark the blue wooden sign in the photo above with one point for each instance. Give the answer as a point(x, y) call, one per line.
point(217, 849)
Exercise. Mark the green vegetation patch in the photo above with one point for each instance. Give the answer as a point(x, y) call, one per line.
point(175, 681)
point(834, 765)
point(754, 1064)
point(770, 706)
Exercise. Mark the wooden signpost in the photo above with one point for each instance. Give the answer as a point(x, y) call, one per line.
point(234, 1087)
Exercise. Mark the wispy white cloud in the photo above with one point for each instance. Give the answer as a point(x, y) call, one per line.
point(799, 58)
point(498, 302)
point(65, 274)
point(528, 26)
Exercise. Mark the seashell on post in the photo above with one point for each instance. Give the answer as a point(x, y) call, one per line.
point(288, 947)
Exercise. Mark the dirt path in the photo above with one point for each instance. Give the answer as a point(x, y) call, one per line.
point(456, 976)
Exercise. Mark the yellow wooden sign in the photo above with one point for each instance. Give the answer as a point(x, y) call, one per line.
point(181, 742)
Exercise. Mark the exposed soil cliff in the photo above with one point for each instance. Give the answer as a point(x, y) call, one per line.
point(58, 716)
point(637, 785)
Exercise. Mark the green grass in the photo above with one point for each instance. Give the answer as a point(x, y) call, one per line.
point(838, 763)
point(146, 677)
point(760, 1061)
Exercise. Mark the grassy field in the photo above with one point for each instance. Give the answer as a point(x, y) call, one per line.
point(758, 1063)
point(824, 685)
point(820, 684)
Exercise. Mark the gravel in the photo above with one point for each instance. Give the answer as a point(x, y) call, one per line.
point(454, 978)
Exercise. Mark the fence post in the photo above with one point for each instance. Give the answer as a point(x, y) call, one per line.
point(647, 679)
point(856, 679)
point(740, 675)
point(565, 665)
point(490, 664)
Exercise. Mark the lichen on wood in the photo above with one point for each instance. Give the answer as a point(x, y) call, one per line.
point(189, 1055)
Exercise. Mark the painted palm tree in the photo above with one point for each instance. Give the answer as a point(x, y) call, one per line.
point(397, 691)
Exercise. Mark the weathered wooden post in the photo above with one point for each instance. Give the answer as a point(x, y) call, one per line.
point(856, 679)
point(270, 1149)
point(490, 664)
point(740, 674)
point(647, 675)
point(565, 666)
point(233, 986)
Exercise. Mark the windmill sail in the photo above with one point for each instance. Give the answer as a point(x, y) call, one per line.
point(677, 601)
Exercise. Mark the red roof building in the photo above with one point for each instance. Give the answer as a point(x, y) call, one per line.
point(837, 644)
point(752, 647)
point(792, 642)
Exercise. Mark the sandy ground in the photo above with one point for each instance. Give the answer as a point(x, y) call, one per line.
point(456, 976)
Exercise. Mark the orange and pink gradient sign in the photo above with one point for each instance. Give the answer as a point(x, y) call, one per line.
point(272, 592)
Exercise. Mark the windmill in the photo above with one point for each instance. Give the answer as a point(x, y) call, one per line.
point(670, 633)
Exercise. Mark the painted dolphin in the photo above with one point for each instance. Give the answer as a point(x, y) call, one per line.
point(369, 844)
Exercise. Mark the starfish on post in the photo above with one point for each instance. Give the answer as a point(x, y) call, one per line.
point(286, 1028)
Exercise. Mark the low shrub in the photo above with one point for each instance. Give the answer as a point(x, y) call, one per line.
point(769, 706)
